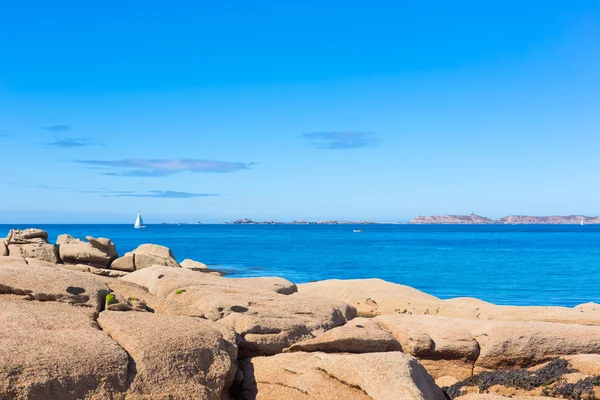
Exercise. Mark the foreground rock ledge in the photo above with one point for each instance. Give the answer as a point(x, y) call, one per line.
point(320, 376)
point(181, 333)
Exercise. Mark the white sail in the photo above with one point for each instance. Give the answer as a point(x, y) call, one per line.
point(582, 221)
point(139, 222)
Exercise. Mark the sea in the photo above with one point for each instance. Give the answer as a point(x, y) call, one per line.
point(502, 264)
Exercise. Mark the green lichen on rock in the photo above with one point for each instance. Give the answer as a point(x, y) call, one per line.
point(133, 299)
point(110, 299)
point(179, 291)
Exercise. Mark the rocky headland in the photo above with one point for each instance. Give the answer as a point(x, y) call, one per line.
point(80, 321)
point(508, 220)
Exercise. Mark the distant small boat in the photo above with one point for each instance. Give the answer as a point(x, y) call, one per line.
point(358, 231)
point(139, 222)
point(582, 221)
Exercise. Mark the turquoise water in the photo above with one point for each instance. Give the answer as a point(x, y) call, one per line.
point(504, 264)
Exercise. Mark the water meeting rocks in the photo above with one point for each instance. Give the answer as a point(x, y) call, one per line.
point(373, 297)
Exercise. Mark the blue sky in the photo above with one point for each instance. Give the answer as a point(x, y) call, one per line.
point(308, 110)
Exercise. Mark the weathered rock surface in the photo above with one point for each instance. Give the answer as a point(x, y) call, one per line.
point(26, 236)
point(9, 260)
point(267, 321)
point(98, 252)
point(486, 345)
point(148, 255)
point(444, 347)
point(53, 284)
point(376, 297)
point(51, 350)
point(124, 263)
point(371, 296)
point(183, 357)
point(162, 281)
point(191, 264)
point(3, 249)
point(41, 251)
point(320, 376)
point(360, 335)
point(31, 243)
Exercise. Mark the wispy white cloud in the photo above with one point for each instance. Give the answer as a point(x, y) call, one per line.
point(71, 143)
point(156, 168)
point(57, 128)
point(159, 194)
point(340, 140)
point(154, 194)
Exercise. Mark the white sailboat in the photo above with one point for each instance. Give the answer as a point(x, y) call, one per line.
point(139, 222)
point(582, 219)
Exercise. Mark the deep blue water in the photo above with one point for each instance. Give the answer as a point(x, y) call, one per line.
point(503, 264)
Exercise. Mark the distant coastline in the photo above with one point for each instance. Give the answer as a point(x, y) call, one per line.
point(472, 219)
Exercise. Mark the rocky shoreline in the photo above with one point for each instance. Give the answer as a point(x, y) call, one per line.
point(79, 321)
point(508, 220)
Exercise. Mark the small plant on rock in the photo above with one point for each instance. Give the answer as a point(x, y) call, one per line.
point(110, 299)
point(179, 291)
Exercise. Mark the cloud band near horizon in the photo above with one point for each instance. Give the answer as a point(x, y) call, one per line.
point(136, 167)
point(339, 140)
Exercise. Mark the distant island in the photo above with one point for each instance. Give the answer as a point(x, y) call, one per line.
point(508, 220)
point(247, 221)
point(471, 219)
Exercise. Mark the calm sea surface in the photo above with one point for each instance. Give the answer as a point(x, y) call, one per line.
point(503, 264)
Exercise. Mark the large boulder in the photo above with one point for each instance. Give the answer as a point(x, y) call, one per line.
point(51, 350)
point(148, 255)
point(27, 236)
point(145, 256)
point(124, 263)
point(267, 320)
point(184, 357)
point(31, 243)
point(97, 252)
point(191, 264)
point(320, 376)
point(53, 284)
point(373, 297)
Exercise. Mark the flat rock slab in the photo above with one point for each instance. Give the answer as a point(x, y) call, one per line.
point(373, 297)
point(184, 357)
point(360, 335)
point(320, 376)
point(51, 350)
point(488, 345)
point(161, 280)
point(53, 284)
